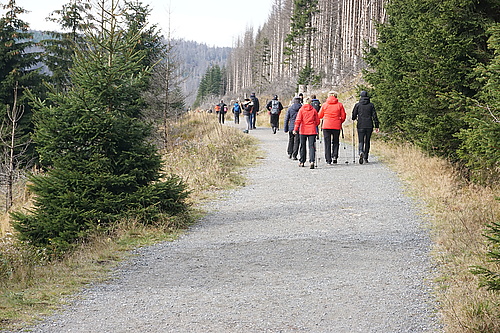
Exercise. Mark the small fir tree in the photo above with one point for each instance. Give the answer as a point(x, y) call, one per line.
point(93, 145)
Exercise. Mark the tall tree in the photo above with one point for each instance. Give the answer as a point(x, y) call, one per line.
point(299, 40)
point(19, 70)
point(17, 62)
point(74, 18)
point(99, 164)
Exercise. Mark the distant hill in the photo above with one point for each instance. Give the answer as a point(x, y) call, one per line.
point(194, 59)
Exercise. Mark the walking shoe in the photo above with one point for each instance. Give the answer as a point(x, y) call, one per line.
point(312, 165)
point(301, 164)
point(361, 159)
point(290, 156)
point(366, 160)
point(334, 161)
point(274, 130)
point(295, 158)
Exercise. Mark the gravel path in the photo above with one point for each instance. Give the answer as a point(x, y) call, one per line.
point(338, 249)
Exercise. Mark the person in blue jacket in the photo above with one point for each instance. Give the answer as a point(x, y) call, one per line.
point(289, 124)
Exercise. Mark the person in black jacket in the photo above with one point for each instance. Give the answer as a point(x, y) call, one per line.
point(256, 108)
point(222, 111)
point(364, 112)
point(289, 125)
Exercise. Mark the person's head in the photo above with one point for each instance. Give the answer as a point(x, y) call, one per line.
point(221, 101)
point(296, 99)
point(313, 96)
point(275, 97)
point(252, 95)
point(308, 100)
point(333, 93)
point(301, 95)
point(363, 94)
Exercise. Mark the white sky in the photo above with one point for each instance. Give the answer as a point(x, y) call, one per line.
point(213, 22)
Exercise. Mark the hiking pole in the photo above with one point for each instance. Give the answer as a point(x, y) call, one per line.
point(353, 144)
point(345, 148)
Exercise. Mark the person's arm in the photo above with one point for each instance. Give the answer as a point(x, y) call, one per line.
point(355, 112)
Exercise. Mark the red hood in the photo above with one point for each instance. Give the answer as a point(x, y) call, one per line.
point(332, 100)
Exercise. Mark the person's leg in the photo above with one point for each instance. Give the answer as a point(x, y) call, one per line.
point(251, 119)
point(296, 145)
point(248, 121)
point(303, 145)
point(361, 140)
point(291, 142)
point(327, 136)
point(366, 150)
point(336, 144)
point(312, 148)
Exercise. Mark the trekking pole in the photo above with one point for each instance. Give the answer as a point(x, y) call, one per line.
point(353, 144)
point(345, 148)
point(320, 140)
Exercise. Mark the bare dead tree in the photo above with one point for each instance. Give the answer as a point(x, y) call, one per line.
point(14, 151)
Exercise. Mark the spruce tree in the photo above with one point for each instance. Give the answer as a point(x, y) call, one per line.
point(74, 19)
point(99, 166)
point(19, 70)
point(426, 50)
point(299, 39)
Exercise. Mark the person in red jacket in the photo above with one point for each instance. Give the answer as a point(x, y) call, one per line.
point(333, 115)
point(306, 124)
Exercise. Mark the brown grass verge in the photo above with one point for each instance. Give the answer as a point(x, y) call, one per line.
point(460, 212)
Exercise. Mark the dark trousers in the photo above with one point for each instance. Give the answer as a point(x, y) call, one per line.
point(308, 141)
point(293, 144)
point(332, 144)
point(275, 118)
point(236, 117)
point(221, 117)
point(364, 135)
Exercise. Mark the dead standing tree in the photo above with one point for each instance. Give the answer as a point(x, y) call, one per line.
point(13, 151)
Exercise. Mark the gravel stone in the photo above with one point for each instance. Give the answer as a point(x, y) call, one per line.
point(340, 248)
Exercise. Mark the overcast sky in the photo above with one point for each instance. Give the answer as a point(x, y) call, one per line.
point(213, 22)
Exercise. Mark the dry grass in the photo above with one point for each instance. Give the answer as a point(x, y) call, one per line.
point(460, 212)
point(208, 156)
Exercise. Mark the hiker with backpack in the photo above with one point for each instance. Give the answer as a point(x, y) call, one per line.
point(333, 115)
point(364, 112)
point(256, 108)
point(247, 106)
point(289, 125)
point(316, 104)
point(222, 111)
point(306, 124)
point(236, 111)
point(274, 107)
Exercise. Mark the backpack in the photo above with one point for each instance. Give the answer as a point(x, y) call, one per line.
point(316, 104)
point(275, 106)
point(236, 108)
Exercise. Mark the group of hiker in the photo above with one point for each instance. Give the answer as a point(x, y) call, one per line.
point(302, 123)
